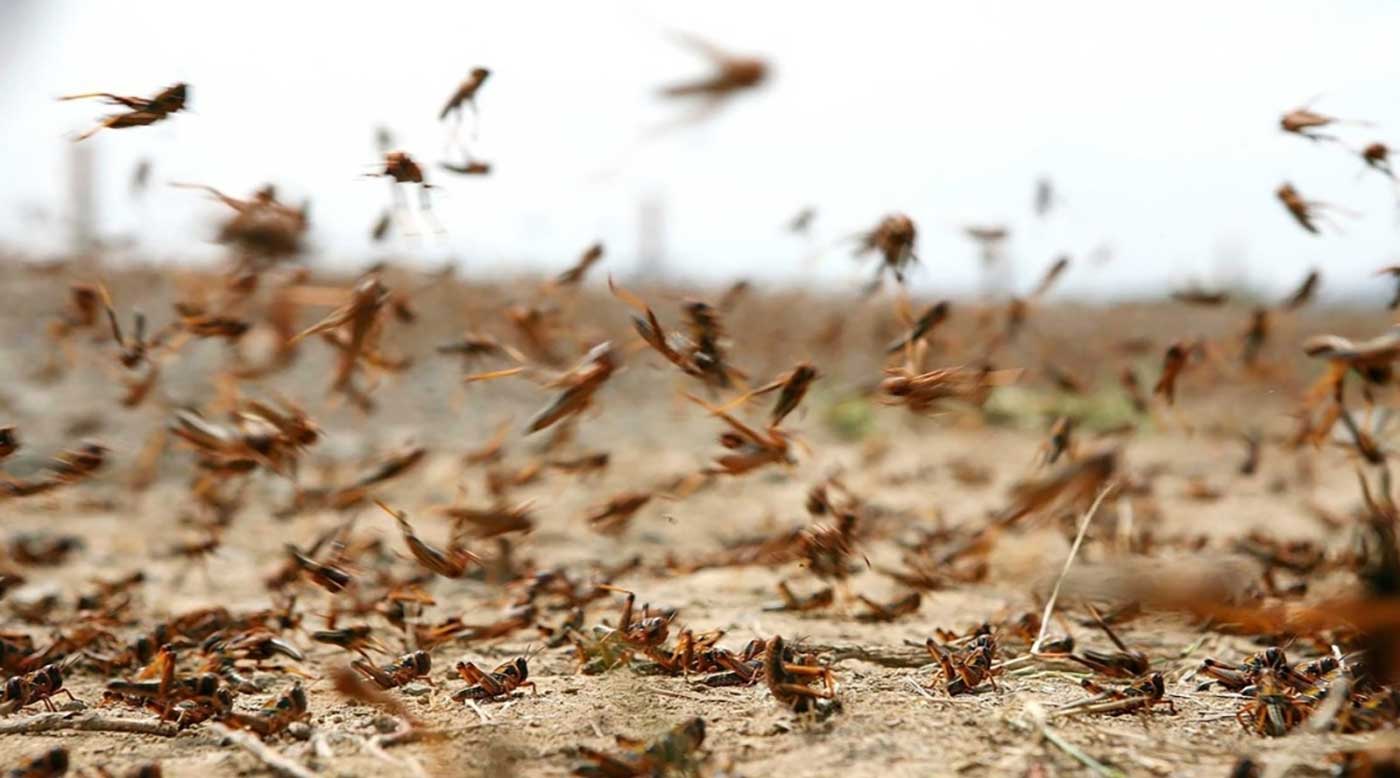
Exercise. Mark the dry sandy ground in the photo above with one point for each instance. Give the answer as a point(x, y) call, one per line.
point(886, 727)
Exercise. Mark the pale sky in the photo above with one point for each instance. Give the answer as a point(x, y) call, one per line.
point(1157, 123)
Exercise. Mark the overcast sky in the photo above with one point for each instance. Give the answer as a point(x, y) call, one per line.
point(1157, 123)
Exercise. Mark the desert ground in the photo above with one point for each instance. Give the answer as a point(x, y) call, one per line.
point(1179, 505)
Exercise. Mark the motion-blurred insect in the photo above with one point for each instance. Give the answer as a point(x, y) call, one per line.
point(894, 239)
point(1250, 465)
point(821, 598)
point(1255, 336)
point(450, 563)
point(1052, 274)
point(1377, 157)
point(751, 448)
point(927, 322)
point(465, 95)
point(261, 225)
point(1304, 122)
point(53, 763)
point(356, 639)
point(732, 75)
point(612, 517)
point(140, 177)
point(1195, 295)
point(802, 222)
point(474, 167)
point(699, 353)
point(1172, 364)
point(1045, 197)
point(1304, 293)
point(883, 612)
point(1124, 663)
point(1394, 272)
point(575, 274)
point(141, 111)
point(400, 169)
point(579, 385)
point(1305, 212)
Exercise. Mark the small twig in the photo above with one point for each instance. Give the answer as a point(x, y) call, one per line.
point(262, 752)
point(923, 691)
point(479, 712)
point(1194, 647)
point(372, 747)
point(1073, 551)
point(1079, 756)
point(920, 689)
point(403, 735)
point(877, 655)
point(1015, 662)
point(680, 696)
point(1110, 706)
point(1038, 726)
point(85, 722)
point(1216, 717)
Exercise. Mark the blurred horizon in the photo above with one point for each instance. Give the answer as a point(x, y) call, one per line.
point(1157, 126)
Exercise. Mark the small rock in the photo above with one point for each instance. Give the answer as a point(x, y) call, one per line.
point(386, 725)
point(416, 689)
point(299, 730)
point(267, 681)
point(73, 705)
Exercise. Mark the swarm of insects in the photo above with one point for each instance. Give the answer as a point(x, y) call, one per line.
point(1066, 474)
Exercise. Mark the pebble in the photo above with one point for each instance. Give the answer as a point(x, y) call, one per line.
point(416, 689)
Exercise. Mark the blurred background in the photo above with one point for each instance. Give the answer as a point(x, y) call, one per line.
point(1158, 126)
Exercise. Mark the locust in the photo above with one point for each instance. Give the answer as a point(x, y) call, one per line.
point(141, 111)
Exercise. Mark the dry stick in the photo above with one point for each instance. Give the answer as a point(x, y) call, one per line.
point(373, 748)
point(1073, 551)
point(923, 692)
point(87, 722)
point(879, 655)
point(479, 712)
point(1038, 726)
point(1078, 755)
point(268, 756)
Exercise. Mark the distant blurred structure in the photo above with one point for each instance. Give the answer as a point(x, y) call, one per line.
point(651, 239)
point(15, 17)
point(82, 198)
